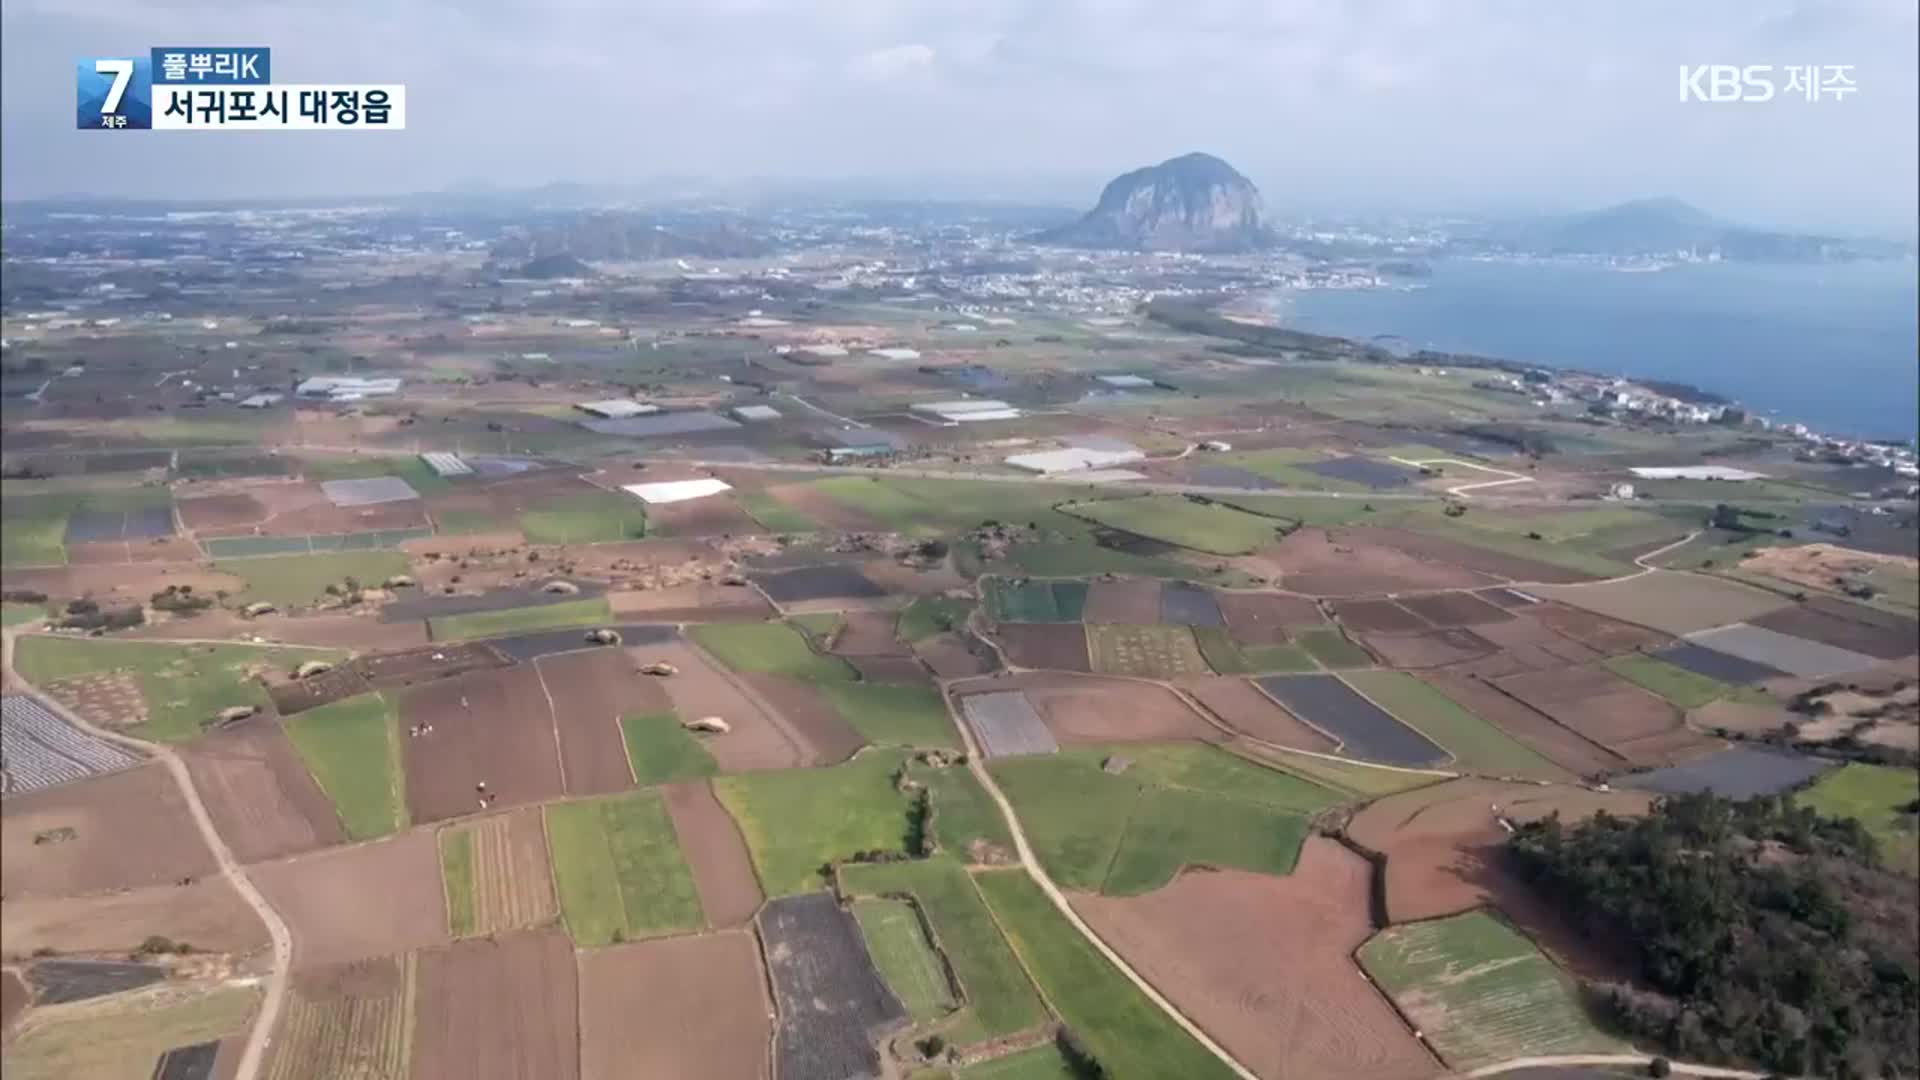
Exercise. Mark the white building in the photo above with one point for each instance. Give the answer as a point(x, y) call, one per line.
point(346, 387)
point(616, 408)
point(1072, 459)
point(673, 491)
point(966, 410)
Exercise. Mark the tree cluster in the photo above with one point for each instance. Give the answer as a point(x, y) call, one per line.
point(1763, 932)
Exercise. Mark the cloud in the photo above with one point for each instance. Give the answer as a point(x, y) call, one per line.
point(1326, 103)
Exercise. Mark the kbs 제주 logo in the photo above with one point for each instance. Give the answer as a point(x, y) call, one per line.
point(225, 88)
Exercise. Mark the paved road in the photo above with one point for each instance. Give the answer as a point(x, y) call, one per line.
point(253, 1054)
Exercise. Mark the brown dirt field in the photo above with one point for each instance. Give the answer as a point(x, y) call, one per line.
point(1817, 566)
point(706, 1010)
point(1741, 719)
point(325, 518)
point(591, 691)
point(1532, 727)
point(1675, 747)
point(261, 798)
point(361, 633)
point(1609, 636)
point(208, 914)
point(294, 696)
point(121, 582)
point(830, 513)
point(891, 669)
point(237, 510)
point(1445, 854)
point(1596, 703)
point(1355, 562)
point(359, 902)
point(1479, 560)
point(170, 551)
point(1241, 705)
point(1847, 626)
point(1132, 602)
point(1264, 964)
point(1382, 616)
point(716, 853)
point(713, 516)
point(698, 602)
point(505, 1007)
point(108, 699)
point(1431, 649)
point(808, 714)
point(868, 633)
point(414, 667)
point(949, 657)
point(14, 999)
point(1265, 618)
point(1454, 609)
point(130, 828)
point(760, 739)
point(1100, 709)
point(492, 727)
point(1548, 647)
point(1044, 646)
point(511, 885)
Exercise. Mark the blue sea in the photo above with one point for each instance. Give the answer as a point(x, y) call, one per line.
point(1832, 346)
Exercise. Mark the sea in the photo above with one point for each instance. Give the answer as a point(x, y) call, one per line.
point(1833, 346)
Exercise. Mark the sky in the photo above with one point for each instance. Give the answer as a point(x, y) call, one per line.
point(1482, 106)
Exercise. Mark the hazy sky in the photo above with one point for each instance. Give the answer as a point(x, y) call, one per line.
point(1326, 104)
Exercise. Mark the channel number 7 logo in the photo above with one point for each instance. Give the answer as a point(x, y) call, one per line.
point(116, 93)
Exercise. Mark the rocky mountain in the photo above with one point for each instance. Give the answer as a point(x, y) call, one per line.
point(1194, 202)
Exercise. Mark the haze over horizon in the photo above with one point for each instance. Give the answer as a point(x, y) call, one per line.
point(1478, 106)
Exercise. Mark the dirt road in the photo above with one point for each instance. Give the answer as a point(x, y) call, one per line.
point(254, 1052)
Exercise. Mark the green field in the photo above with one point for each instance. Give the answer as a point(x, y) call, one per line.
point(1500, 531)
point(253, 547)
point(906, 961)
point(1684, 688)
point(619, 869)
point(1039, 1063)
point(1175, 519)
point(771, 648)
point(1035, 601)
point(1175, 805)
point(1151, 652)
point(592, 518)
point(12, 614)
point(798, 820)
point(481, 624)
point(350, 748)
point(124, 1037)
point(1084, 558)
point(33, 528)
point(185, 686)
point(456, 869)
point(966, 821)
point(773, 514)
point(1282, 466)
point(1332, 649)
point(1481, 992)
point(895, 715)
point(1476, 745)
point(1353, 778)
point(1879, 797)
point(1120, 1025)
point(408, 467)
point(1229, 657)
point(461, 522)
point(928, 507)
point(302, 580)
point(997, 998)
point(930, 615)
point(818, 625)
point(660, 750)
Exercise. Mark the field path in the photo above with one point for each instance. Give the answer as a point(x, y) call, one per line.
point(1680, 1068)
point(976, 764)
point(254, 1051)
point(1462, 489)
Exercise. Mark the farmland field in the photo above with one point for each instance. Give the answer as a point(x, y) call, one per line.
point(773, 514)
point(1879, 797)
point(1678, 685)
point(1228, 657)
point(481, 624)
point(660, 750)
point(1332, 649)
point(1039, 1063)
point(1676, 603)
point(355, 1020)
point(456, 866)
point(1347, 777)
point(1209, 527)
point(264, 802)
point(498, 1008)
point(1158, 652)
point(997, 998)
point(795, 821)
point(771, 649)
point(1036, 601)
point(496, 873)
point(122, 1036)
point(815, 956)
point(702, 1009)
point(1363, 728)
point(930, 615)
point(184, 686)
point(904, 956)
point(1118, 1022)
point(619, 869)
point(592, 518)
point(1476, 745)
point(1480, 991)
point(349, 747)
point(894, 715)
point(302, 580)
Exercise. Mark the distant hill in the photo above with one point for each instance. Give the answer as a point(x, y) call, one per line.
point(613, 237)
point(1659, 227)
point(555, 266)
point(1195, 202)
